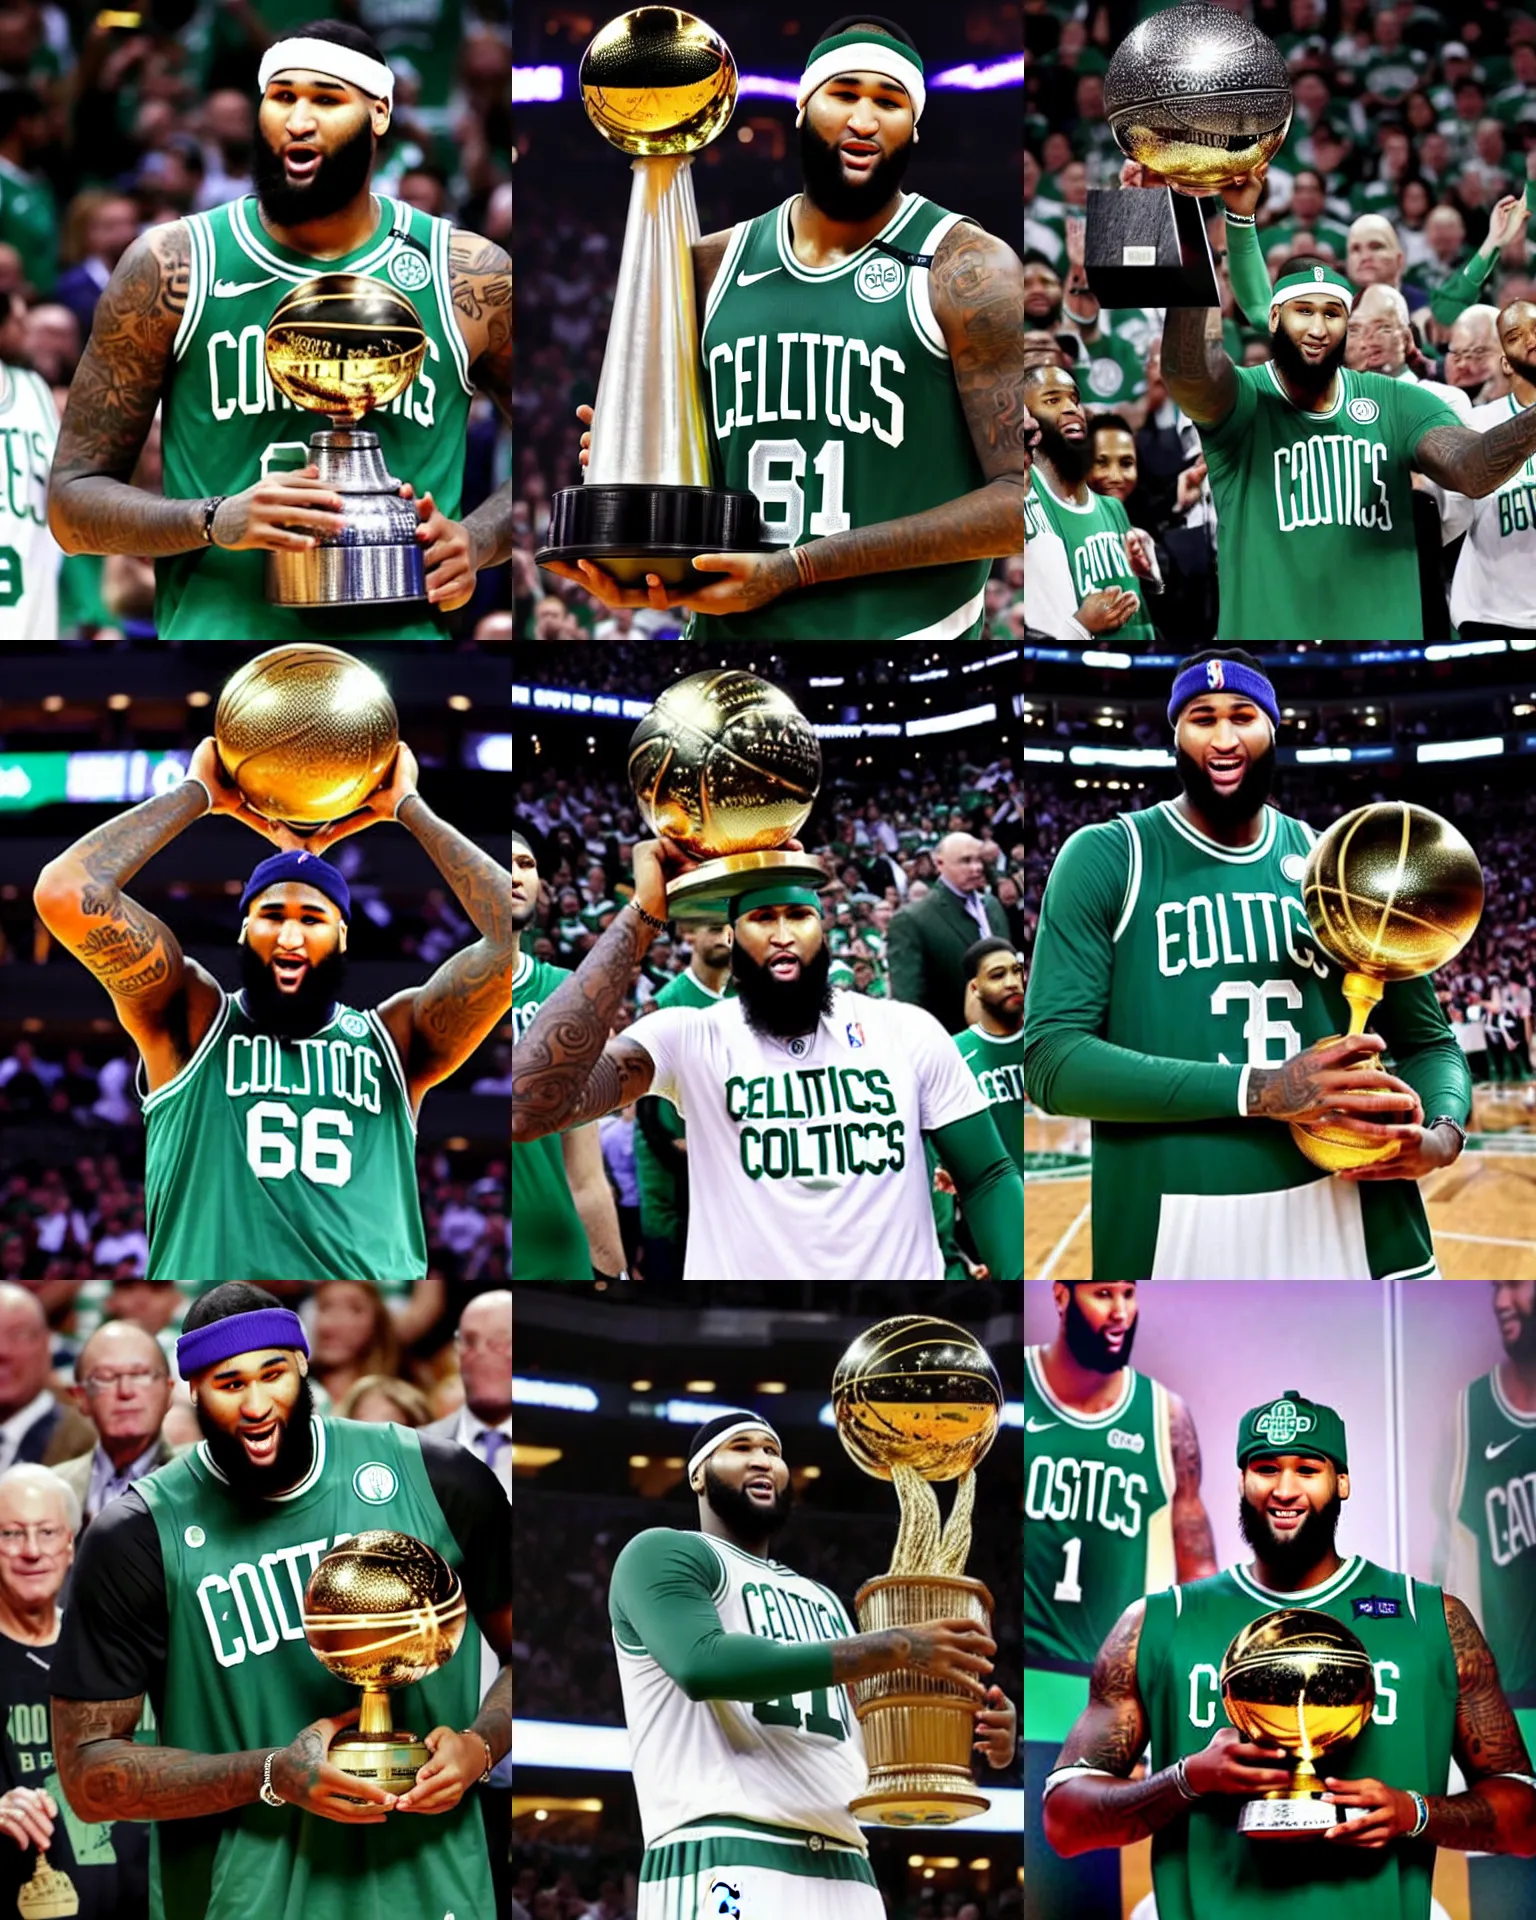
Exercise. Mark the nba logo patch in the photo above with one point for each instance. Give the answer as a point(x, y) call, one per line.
point(855, 1034)
point(1215, 675)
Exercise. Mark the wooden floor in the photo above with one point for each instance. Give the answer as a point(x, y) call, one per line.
point(1482, 1211)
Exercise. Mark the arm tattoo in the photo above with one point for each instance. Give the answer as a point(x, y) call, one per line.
point(1198, 372)
point(623, 1073)
point(978, 299)
point(455, 1010)
point(494, 1720)
point(106, 1775)
point(481, 278)
point(1477, 463)
point(556, 1057)
point(1275, 1093)
point(1112, 1730)
point(1488, 1738)
point(92, 508)
point(1194, 1549)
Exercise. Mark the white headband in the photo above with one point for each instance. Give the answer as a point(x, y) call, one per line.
point(341, 63)
point(871, 56)
point(754, 1425)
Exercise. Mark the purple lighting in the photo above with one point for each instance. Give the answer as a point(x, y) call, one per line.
point(974, 79)
point(543, 86)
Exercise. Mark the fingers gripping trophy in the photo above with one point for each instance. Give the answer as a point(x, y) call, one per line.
point(918, 1400)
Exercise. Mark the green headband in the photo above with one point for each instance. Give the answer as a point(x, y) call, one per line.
point(1292, 1424)
point(1308, 283)
point(778, 893)
point(863, 47)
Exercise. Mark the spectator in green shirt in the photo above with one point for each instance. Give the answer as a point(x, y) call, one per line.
point(1307, 213)
point(29, 219)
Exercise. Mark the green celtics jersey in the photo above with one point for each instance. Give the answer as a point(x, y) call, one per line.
point(226, 426)
point(29, 556)
point(1316, 509)
point(239, 1675)
point(832, 398)
point(1202, 1867)
point(997, 1060)
point(1093, 534)
point(1175, 949)
point(658, 1184)
point(267, 1158)
point(1493, 1527)
point(1098, 1491)
point(548, 1240)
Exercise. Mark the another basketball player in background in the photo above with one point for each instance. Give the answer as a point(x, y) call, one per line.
point(184, 317)
point(1156, 1677)
point(1112, 1511)
point(29, 425)
point(272, 1152)
point(1190, 1048)
point(745, 1747)
point(862, 352)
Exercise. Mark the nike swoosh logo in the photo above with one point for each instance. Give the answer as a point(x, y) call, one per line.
point(1491, 1452)
point(751, 279)
point(231, 289)
point(1039, 1426)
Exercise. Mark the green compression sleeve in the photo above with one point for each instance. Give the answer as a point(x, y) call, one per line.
point(662, 1602)
point(990, 1190)
point(1247, 272)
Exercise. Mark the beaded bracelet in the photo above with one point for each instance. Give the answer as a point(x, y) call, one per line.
point(649, 918)
point(1423, 1820)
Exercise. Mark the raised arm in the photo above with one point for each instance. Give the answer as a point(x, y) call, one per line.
point(1194, 1549)
point(1475, 463)
point(1197, 370)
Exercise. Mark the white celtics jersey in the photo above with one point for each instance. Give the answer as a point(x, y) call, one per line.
point(1495, 581)
point(29, 555)
point(790, 1763)
point(810, 1149)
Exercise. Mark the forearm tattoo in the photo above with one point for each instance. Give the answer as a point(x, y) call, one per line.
point(1477, 463)
point(106, 1775)
point(470, 991)
point(557, 1058)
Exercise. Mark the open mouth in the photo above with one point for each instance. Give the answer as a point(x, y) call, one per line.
point(260, 1443)
point(1074, 429)
point(1286, 1522)
point(763, 1487)
point(1226, 772)
point(300, 163)
point(859, 155)
point(784, 966)
point(289, 972)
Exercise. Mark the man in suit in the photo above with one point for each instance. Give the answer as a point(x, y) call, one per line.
point(929, 940)
point(33, 1424)
point(124, 1387)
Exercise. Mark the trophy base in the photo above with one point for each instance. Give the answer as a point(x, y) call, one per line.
point(376, 558)
point(1147, 247)
point(1284, 1818)
point(630, 531)
point(919, 1797)
point(1334, 1146)
point(718, 881)
point(389, 1760)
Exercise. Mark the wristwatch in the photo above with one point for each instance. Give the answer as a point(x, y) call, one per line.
point(268, 1792)
point(1445, 1120)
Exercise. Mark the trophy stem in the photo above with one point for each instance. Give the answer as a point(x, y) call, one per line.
point(1362, 991)
point(648, 424)
point(374, 1717)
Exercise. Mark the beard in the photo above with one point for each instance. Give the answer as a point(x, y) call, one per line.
point(837, 197)
point(1288, 1560)
point(1242, 803)
point(338, 179)
point(1525, 369)
point(1072, 459)
point(294, 1452)
point(1523, 1346)
point(737, 1509)
point(1010, 1017)
point(292, 1016)
point(1297, 370)
point(782, 1008)
point(1090, 1348)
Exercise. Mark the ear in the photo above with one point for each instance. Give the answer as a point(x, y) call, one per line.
point(303, 1359)
point(1343, 1486)
point(380, 115)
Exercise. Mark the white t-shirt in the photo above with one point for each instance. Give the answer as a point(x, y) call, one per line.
point(1495, 580)
point(805, 1157)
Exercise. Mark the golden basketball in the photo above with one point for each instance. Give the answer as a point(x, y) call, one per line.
point(306, 733)
point(658, 80)
point(917, 1392)
point(384, 1610)
point(343, 343)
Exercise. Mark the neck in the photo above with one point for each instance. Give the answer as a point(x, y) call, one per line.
point(1058, 485)
point(1518, 1379)
point(989, 1023)
point(1079, 1386)
point(36, 1626)
point(711, 1523)
point(712, 977)
point(1310, 400)
point(123, 1452)
point(823, 235)
point(1238, 833)
point(1523, 390)
point(337, 234)
point(1325, 1569)
point(492, 1416)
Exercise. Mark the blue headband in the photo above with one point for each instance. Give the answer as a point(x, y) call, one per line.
point(1223, 676)
point(308, 867)
point(238, 1333)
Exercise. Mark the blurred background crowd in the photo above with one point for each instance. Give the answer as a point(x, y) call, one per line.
point(112, 122)
point(1410, 162)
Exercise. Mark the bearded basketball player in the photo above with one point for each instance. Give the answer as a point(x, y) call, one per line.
point(1180, 1002)
point(1112, 1512)
point(280, 1123)
point(807, 1107)
point(735, 1672)
point(189, 1589)
point(861, 354)
point(181, 326)
point(1437, 1695)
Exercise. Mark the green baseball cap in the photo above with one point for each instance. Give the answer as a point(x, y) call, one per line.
point(1293, 1424)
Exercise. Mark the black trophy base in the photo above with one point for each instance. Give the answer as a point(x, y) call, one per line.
point(630, 531)
point(1147, 247)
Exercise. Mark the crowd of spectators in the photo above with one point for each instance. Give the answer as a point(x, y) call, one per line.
point(108, 128)
point(1410, 162)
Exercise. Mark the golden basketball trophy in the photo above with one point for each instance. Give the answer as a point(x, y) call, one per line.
point(306, 732)
point(1298, 1679)
point(49, 1895)
point(918, 1400)
point(343, 344)
point(1392, 892)
point(383, 1610)
point(659, 84)
point(727, 767)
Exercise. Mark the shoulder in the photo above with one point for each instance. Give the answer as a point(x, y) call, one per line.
point(123, 1534)
point(471, 253)
point(973, 269)
point(1103, 846)
point(707, 256)
point(666, 1550)
point(456, 1475)
point(149, 283)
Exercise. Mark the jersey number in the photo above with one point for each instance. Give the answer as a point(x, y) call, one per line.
point(322, 1158)
point(820, 1719)
point(786, 491)
point(1068, 1587)
point(1260, 1030)
point(12, 581)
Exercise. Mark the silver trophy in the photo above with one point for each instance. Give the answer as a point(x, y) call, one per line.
point(658, 84)
point(343, 344)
